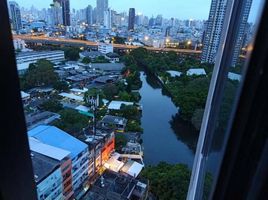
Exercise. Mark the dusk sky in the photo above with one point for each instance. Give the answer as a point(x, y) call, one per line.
point(182, 9)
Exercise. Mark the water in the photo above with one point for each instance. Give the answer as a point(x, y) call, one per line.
point(166, 137)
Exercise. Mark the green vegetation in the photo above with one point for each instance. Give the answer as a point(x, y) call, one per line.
point(118, 40)
point(61, 86)
point(52, 105)
point(86, 60)
point(120, 141)
point(168, 182)
point(100, 59)
point(38, 74)
point(71, 53)
point(188, 93)
point(71, 121)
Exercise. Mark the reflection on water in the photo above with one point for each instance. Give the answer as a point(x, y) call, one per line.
point(165, 137)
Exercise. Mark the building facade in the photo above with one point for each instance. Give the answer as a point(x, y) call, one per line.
point(131, 19)
point(107, 19)
point(215, 28)
point(15, 16)
point(66, 17)
point(89, 15)
point(25, 58)
point(47, 175)
point(102, 6)
point(79, 153)
point(105, 48)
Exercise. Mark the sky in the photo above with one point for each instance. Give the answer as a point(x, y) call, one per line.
point(181, 9)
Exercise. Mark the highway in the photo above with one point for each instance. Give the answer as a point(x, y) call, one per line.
point(43, 39)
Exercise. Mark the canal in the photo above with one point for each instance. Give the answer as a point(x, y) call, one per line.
point(166, 137)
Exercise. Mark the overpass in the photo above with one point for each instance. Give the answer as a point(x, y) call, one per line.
point(83, 43)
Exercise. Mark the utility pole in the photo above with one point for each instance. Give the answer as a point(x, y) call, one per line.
point(94, 103)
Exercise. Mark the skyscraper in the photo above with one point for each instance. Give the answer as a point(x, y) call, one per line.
point(89, 15)
point(15, 15)
point(65, 4)
point(102, 6)
point(55, 13)
point(131, 19)
point(215, 28)
point(107, 19)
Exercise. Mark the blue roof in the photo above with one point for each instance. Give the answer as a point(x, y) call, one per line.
point(55, 137)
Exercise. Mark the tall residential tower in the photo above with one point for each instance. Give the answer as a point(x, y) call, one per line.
point(102, 6)
point(215, 28)
point(15, 15)
point(131, 19)
point(66, 17)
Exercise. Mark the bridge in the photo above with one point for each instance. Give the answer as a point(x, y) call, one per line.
point(83, 43)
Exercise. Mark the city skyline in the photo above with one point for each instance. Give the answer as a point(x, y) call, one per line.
point(195, 9)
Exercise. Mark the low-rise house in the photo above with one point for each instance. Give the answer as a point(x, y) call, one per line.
point(114, 121)
point(110, 67)
point(91, 54)
point(196, 72)
point(35, 119)
point(116, 105)
point(112, 57)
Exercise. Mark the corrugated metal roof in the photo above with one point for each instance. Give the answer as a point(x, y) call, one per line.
point(47, 150)
point(55, 137)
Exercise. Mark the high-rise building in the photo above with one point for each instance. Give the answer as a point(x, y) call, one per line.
point(55, 13)
point(108, 19)
point(15, 15)
point(66, 17)
point(89, 15)
point(102, 6)
point(215, 28)
point(131, 19)
point(159, 20)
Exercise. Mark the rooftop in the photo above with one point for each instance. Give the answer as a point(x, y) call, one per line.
point(114, 119)
point(47, 150)
point(43, 166)
point(196, 71)
point(116, 105)
point(55, 137)
point(108, 66)
point(71, 96)
point(112, 185)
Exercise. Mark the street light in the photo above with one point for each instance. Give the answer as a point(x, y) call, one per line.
point(146, 38)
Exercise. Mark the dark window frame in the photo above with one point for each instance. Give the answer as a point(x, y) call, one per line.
point(16, 172)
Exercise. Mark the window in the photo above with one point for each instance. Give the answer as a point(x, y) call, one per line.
point(179, 102)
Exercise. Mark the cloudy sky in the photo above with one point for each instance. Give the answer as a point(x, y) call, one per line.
point(182, 9)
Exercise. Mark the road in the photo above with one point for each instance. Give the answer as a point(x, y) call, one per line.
point(89, 43)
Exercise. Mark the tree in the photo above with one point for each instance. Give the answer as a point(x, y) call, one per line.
point(72, 53)
point(129, 112)
point(110, 90)
point(168, 182)
point(124, 96)
point(118, 40)
point(71, 121)
point(120, 141)
point(61, 86)
point(86, 60)
point(40, 73)
point(139, 55)
point(52, 105)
